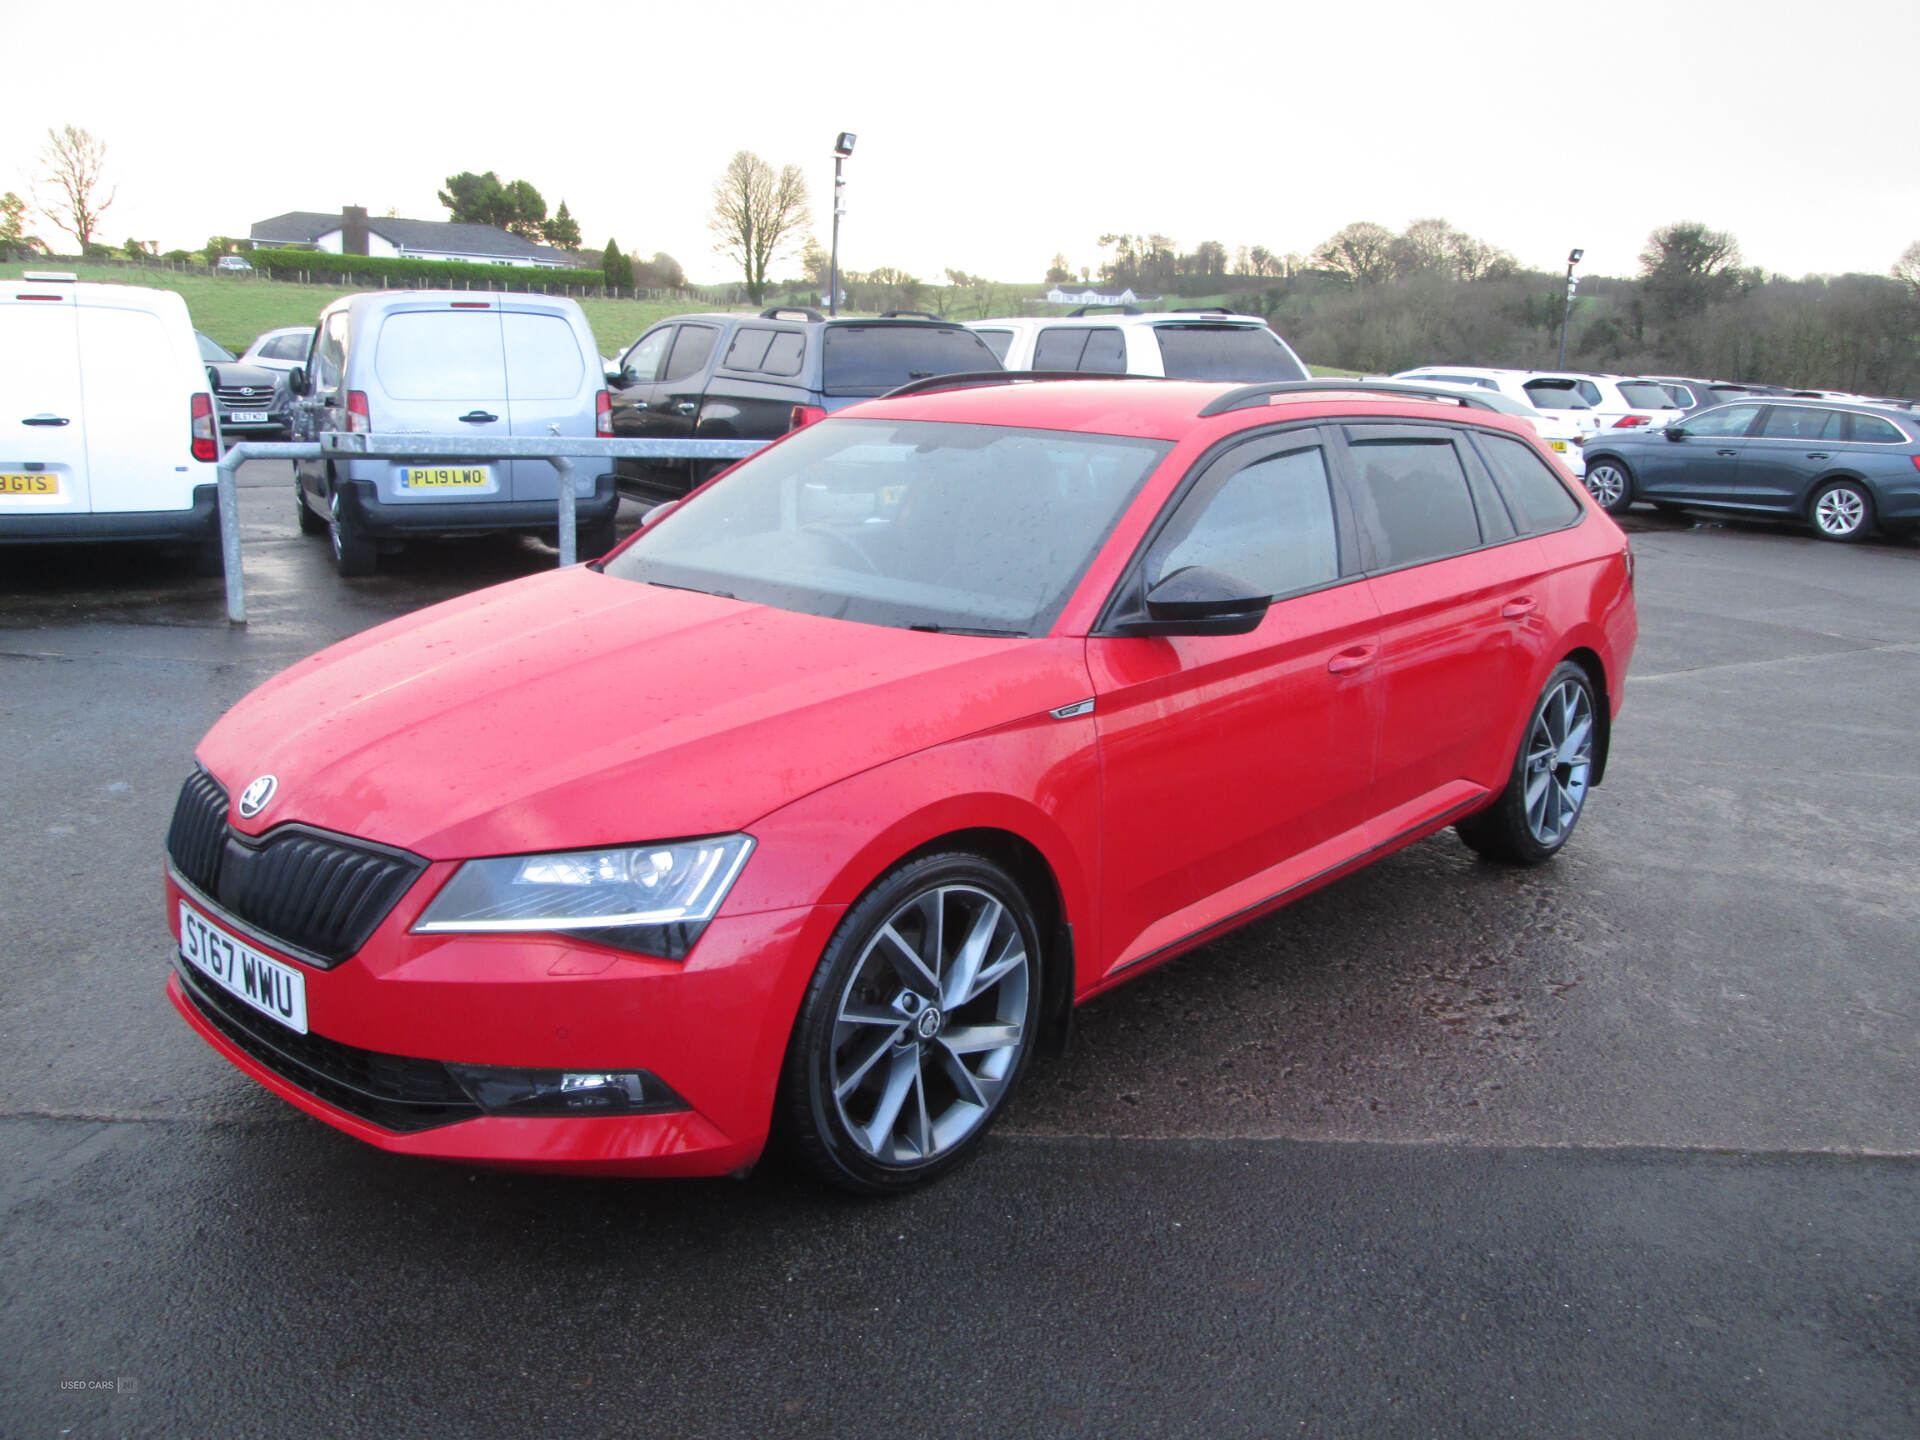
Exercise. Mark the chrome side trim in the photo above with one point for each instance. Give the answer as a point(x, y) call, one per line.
point(1073, 711)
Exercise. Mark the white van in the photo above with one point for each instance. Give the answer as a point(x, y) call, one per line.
point(455, 362)
point(106, 419)
point(1202, 344)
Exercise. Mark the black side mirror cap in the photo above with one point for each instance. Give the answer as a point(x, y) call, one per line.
point(297, 380)
point(1676, 432)
point(1195, 600)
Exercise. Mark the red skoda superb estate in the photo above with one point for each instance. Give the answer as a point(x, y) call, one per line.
point(819, 805)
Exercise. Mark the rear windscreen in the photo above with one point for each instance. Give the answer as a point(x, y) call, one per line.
point(873, 359)
point(1225, 352)
point(543, 357)
point(442, 355)
point(1646, 394)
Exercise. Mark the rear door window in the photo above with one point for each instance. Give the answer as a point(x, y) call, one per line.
point(1224, 352)
point(442, 355)
point(690, 351)
point(873, 359)
point(1797, 422)
point(785, 353)
point(1416, 490)
point(543, 357)
point(1534, 494)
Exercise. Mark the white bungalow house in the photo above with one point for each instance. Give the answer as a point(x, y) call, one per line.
point(353, 232)
point(1057, 296)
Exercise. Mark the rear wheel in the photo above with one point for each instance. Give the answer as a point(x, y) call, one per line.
point(1547, 790)
point(1841, 510)
point(1611, 484)
point(917, 1025)
point(353, 553)
point(310, 523)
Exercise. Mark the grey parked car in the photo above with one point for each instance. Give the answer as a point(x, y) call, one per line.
point(466, 363)
point(1844, 469)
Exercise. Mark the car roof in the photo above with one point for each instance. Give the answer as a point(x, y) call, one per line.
point(1160, 409)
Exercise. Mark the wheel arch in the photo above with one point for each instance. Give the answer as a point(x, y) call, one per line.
point(1589, 660)
point(1829, 477)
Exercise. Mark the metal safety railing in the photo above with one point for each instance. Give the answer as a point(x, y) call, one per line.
point(559, 451)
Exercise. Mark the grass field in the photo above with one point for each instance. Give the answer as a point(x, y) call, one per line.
point(234, 309)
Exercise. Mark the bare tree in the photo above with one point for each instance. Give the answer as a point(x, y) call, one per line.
point(75, 170)
point(1907, 269)
point(758, 215)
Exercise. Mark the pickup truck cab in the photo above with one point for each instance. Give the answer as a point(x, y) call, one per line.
point(755, 377)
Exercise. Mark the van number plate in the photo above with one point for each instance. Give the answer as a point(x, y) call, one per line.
point(45, 482)
point(446, 477)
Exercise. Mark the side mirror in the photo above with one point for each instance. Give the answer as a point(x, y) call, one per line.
point(1676, 432)
point(1195, 600)
point(297, 380)
point(615, 375)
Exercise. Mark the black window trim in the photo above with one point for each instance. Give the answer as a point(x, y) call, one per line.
point(1565, 482)
point(1126, 600)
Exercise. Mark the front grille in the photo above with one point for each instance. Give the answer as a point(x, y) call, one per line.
point(395, 1092)
point(316, 894)
point(240, 397)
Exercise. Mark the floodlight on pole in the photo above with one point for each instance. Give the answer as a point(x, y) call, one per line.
point(842, 148)
point(1566, 316)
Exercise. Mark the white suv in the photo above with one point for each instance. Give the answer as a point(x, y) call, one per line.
point(1596, 402)
point(107, 429)
point(1209, 344)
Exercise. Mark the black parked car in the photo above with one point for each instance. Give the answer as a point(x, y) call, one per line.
point(1842, 468)
point(755, 377)
point(252, 401)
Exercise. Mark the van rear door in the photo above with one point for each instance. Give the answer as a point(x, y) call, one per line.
point(438, 369)
point(43, 423)
point(139, 386)
point(548, 393)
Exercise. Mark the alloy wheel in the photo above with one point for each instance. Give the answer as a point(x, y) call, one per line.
point(1840, 512)
point(1559, 761)
point(930, 1025)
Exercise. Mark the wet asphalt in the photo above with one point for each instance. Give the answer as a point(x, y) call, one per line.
point(1626, 1145)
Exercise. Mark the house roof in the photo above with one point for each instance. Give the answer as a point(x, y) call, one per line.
point(305, 227)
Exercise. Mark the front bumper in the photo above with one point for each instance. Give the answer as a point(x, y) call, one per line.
point(199, 522)
point(713, 1027)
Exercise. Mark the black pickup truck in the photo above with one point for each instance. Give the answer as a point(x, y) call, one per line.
point(755, 377)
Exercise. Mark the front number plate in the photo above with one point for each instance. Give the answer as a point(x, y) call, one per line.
point(41, 482)
point(268, 985)
point(446, 477)
point(248, 417)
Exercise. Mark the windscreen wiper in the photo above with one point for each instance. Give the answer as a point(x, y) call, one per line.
point(969, 630)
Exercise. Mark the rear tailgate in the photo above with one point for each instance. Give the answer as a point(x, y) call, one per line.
point(438, 369)
point(43, 428)
point(859, 361)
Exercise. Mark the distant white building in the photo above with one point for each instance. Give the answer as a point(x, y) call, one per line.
point(1057, 296)
point(354, 232)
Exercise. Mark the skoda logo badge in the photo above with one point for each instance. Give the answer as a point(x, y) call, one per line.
point(254, 798)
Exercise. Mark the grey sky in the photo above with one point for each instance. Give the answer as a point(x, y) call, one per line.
point(995, 134)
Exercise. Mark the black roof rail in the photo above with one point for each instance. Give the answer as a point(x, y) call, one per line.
point(778, 312)
point(968, 379)
point(1203, 310)
point(911, 315)
point(1090, 309)
point(1249, 395)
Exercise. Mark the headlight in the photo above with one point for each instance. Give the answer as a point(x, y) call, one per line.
point(655, 899)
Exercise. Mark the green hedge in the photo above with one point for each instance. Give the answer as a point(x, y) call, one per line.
point(321, 265)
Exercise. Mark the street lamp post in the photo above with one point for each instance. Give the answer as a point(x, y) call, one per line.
point(1566, 317)
point(842, 147)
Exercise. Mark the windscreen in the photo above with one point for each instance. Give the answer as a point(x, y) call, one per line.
point(974, 528)
point(873, 359)
point(1225, 352)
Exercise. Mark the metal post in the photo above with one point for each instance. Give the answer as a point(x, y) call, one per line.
point(563, 467)
point(1566, 317)
point(226, 476)
point(833, 264)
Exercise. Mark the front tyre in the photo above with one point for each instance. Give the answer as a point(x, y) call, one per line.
point(916, 1027)
point(1841, 510)
point(1611, 484)
point(1547, 790)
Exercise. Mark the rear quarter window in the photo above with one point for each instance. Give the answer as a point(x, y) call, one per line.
point(441, 355)
point(1534, 494)
point(1872, 430)
point(873, 359)
point(1224, 352)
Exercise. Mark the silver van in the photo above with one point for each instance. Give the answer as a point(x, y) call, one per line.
point(426, 362)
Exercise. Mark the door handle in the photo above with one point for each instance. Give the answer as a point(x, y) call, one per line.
point(1354, 657)
point(478, 417)
point(1726, 452)
point(1816, 455)
point(685, 407)
point(1518, 608)
point(45, 420)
